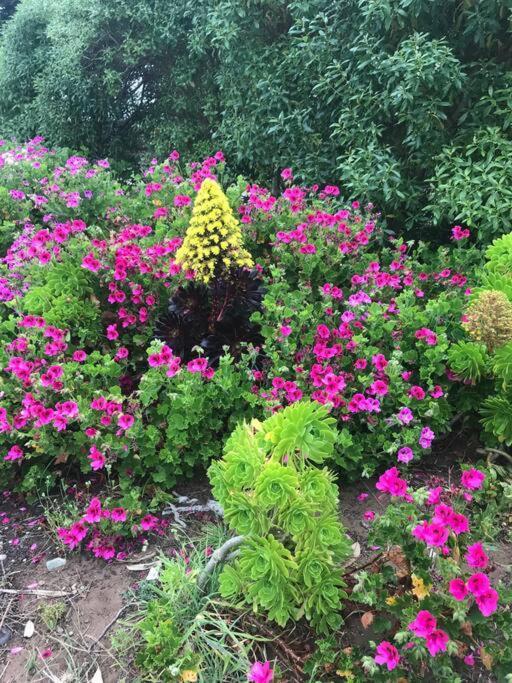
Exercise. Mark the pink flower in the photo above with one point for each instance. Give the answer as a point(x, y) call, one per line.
point(405, 454)
point(459, 233)
point(431, 533)
point(112, 332)
point(118, 515)
point(285, 330)
point(458, 589)
point(437, 641)
point(426, 437)
point(478, 584)
point(97, 459)
point(148, 522)
point(417, 392)
point(387, 654)
point(405, 415)
point(487, 602)
point(79, 356)
point(93, 512)
point(261, 673)
point(476, 556)
point(369, 515)
point(287, 174)
point(14, 453)
point(362, 496)
point(46, 653)
point(125, 421)
point(424, 624)
point(469, 660)
point(390, 482)
point(472, 479)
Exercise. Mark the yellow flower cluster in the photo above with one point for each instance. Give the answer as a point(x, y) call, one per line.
point(489, 319)
point(213, 241)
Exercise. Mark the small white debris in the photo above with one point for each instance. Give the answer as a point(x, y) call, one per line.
point(29, 629)
point(97, 678)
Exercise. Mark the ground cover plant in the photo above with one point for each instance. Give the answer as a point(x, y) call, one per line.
point(178, 323)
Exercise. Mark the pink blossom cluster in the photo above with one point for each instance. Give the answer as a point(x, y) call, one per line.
point(107, 546)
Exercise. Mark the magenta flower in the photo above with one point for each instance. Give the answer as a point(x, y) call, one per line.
point(118, 515)
point(472, 479)
point(458, 589)
point(387, 655)
point(261, 673)
point(487, 602)
point(93, 512)
point(97, 458)
point(437, 641)
point(478, 583)
point(125, 421)
point(476, 556)
point(424, 624)
point(405, 454)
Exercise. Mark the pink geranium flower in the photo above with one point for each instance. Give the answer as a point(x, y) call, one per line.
point(118, 515)
point(424, 624)
point(97, 459)
point(261, 673)
point(387, 655)
point(476, 556)
point(487, 602)
point(93, 512)
point(458, 589)
point(437, 641)
point(472, 479)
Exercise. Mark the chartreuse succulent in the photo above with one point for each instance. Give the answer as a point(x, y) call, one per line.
point(276, 494)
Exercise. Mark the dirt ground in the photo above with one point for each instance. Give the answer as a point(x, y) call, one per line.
point(96, 595)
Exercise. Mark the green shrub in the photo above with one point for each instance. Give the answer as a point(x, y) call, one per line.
point(287, 508)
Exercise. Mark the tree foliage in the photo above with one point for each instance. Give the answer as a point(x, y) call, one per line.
point(406, 101)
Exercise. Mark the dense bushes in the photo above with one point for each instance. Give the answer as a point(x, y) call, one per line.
point(114, 354)
point(406, 102)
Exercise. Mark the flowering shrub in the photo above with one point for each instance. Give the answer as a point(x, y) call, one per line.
point(350, 319)
point(362, 327)
point(108, 531)
point(433, 591)
point(286, 508)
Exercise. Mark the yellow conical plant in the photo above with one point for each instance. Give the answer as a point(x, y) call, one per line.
point(213, 241)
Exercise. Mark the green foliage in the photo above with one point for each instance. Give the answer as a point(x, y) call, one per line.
point(471, 184)
point(271, 492)
point(181, 431)
point(499, 256)
point(396, 92)
point(182, 635)
point(469, 360)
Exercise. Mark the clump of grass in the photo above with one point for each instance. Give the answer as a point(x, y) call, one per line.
point(51, 613)
point(185, 634)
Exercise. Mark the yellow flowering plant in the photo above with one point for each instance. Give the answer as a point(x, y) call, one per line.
point(213, 241)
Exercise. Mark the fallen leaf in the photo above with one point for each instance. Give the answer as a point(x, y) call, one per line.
point(367, 619)
point(486, 658)
point(397, 558)
point(61, 458)
point(466, 628)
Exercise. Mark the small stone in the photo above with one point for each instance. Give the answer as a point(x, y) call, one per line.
point(3, 558)
point(56, 563)
point(5, 635)
point(29, 629)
